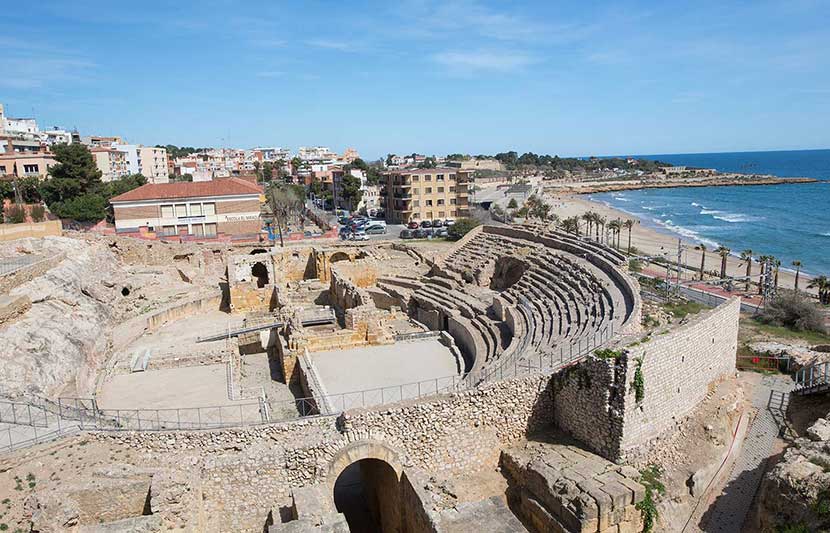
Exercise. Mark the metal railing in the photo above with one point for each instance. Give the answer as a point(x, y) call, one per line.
point(815, 376)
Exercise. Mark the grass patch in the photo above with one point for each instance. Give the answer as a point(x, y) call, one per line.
point(812, 337)
point(681, 310)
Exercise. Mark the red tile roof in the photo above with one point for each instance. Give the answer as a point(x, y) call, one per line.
point(186, 189)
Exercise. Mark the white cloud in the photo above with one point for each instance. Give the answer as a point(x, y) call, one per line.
point(35, 72)
point(331, 45)
point(484, 60)
point(270, 74)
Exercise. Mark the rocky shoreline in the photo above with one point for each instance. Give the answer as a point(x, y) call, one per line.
point(717, 181)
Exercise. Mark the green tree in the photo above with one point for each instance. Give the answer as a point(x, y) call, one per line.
point(461, 227)
point(429, 162)
point(629, 224)
point(267, 171)
point(285, 202)
point(74, 175)
point(351, 191)
point(84, 208)
point(512, 204)
point(822, 285)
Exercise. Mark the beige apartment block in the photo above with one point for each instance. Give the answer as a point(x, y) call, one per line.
point(153, 164)
point(426, 194)
point(23, 165)
point(112, 163)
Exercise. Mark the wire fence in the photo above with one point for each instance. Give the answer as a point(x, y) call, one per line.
point(10, 265)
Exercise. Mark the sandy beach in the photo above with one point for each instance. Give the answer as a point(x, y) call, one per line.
point(651, 242)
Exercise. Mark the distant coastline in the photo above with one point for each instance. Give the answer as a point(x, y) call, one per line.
point(732, 180)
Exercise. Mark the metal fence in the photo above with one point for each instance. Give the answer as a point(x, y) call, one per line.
point(812, 377)
point(10, 265)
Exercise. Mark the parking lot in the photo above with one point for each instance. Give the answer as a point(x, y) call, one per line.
point(392, 232)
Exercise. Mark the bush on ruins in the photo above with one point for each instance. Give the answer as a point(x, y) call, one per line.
point(461, 227)
point(795, 312)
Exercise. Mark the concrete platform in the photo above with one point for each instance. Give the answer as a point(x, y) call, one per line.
point(392, 366)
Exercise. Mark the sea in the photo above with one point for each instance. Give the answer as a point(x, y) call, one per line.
point(790, 222)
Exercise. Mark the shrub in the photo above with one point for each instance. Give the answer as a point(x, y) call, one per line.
point(461, 227)
point(794, 312)
point(512, 204)
point(85, 208)
point(38, 213)
point(14, 214)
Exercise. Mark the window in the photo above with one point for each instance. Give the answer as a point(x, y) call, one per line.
point(428, 190)
point(2, 170)
point(440, 189)
point(210, 229)
point(195, 210)
point(414, 178)
point(429, 203)
point(30, 169)
point(198, 230)
point(439, 177)
point(209, 210)
point(415, 191)
point(182, 229)
point(168, 230)
point(441, 201)
point(181, 210)
point(452, 176)
point(167, 211)
point(427, 178)
point(441, 214)
point(452, 189)
point(452, 201)
point(416, 203)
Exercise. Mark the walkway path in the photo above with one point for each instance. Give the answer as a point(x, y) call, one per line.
point(730, 509)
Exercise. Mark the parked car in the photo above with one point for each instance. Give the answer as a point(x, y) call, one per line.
point(437, 223)
point(426, 224)
point(413, 225)
point(419, 234)
point(442, 232)
point(449, 222)
point(375, 230)
point(359, 236)
point(406, 234)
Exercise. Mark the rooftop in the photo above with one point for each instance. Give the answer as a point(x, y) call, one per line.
point(164, 191)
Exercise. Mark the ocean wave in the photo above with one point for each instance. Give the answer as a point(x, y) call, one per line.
point(621, 199)
point(695, 204)
point(686, 232)
point(647, 208)
point(729, 217)
point(827, 234)
point(736, 217)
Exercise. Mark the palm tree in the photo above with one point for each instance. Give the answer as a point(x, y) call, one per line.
point(723, 252)
point(822, 284)
point(588, 217)
point(776, 263)
point(746, 256)
point(628, 225)
point(614, 226)
point(599, 220)
point(702, 260)
point(571, 225)
point(797, 265)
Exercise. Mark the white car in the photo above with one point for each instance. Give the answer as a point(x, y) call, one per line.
point(359, 236)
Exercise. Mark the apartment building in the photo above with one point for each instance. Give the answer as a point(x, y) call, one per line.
point(222, 209)
point(111, 162)
point(148, 161)
point(26, 164)
point(425, 194)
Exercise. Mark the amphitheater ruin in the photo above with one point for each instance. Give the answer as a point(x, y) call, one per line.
point(504, 382)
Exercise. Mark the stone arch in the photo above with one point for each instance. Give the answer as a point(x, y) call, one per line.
point(363, 449)
point(364, 479)
point(339, 256)
point(506, 272)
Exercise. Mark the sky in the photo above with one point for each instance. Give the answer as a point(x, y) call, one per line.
point(436, 77)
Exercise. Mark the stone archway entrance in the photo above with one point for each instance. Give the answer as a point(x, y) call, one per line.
point(365, 485)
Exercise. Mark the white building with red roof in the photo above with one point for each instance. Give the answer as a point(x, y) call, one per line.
point(222, 209)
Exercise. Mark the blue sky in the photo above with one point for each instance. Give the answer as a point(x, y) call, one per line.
point(567, 78)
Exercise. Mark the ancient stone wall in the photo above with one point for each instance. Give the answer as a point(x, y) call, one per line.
point(345, 294)
point(677, 370)
point(596, 400)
